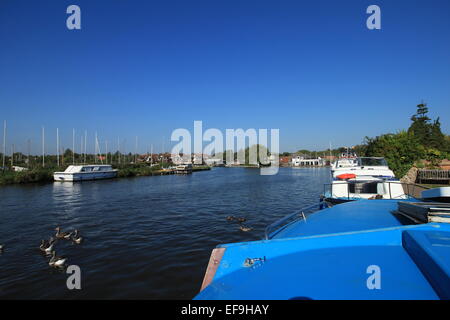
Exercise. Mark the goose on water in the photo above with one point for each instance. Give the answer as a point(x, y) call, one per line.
point(56, 261)
point(46, 246)
point(62, 235)
point(76, 237)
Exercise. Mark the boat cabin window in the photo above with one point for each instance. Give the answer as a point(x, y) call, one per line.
point(372, 162)
point(363, 187)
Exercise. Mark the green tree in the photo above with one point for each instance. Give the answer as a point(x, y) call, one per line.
point(437, 138)
point(420, 126)
point(401, 150)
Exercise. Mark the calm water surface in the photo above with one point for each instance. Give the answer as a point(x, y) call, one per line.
point(145, 238)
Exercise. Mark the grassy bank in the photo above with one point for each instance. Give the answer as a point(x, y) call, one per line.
point(126, 171)
point(29, 176)
point(200, 168)
point(45, 175)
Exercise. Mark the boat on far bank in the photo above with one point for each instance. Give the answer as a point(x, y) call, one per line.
point(86, 172)
point(183, 168)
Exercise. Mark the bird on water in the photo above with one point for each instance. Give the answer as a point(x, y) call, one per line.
point(62, 235)
point(76, 238)
point(56, 261)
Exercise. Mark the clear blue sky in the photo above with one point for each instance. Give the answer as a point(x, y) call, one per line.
point(144, 68)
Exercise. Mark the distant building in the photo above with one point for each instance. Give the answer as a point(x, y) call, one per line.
point(285, 161)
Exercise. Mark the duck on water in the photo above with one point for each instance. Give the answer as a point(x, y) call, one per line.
point(47, 245)
point(57, 261)
point(62, 235)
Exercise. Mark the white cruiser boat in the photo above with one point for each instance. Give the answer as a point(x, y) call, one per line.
point(86, 172)
point(343, 163)
point(367, 178)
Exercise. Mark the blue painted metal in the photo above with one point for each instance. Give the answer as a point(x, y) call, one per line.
point(345, 217)
point(430, 251)
point(327, 255)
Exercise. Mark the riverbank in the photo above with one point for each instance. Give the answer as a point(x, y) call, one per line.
point(41, 175)
point(45, 175)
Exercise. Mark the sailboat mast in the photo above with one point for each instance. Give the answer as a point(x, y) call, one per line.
point(95, 148)
point(135, 150)
point(28, 152)
point(43, 147)
point(85, 145)
point(118, 150)
point(57, 146)
point(4, 144)
point(73, 146)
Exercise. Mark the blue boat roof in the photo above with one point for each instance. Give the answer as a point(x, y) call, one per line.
point(331, 256)
point(346, 217)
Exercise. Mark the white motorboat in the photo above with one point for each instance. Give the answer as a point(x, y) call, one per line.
point(365, 178)
point(184, 168)
point(86, 172)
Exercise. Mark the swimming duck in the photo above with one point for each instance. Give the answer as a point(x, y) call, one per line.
point(62, 235)
point(2, 246)
point(76, 237)
point(244, 228)
point(56, 261)
point(231, 218)
point(47, 246)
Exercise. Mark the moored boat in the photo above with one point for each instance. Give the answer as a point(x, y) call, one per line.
point(184, 168)
point(86, 172)
point(366, 178)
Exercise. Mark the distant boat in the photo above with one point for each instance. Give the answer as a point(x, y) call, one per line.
point(184, 169)
point(86, 172)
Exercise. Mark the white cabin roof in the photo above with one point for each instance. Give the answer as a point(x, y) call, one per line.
point(79, 168)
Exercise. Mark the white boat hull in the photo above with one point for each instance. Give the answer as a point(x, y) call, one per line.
point(84, 176)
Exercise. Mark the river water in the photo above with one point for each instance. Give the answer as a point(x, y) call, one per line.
point(145, 238)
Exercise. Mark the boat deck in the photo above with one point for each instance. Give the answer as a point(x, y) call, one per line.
point(331, 258)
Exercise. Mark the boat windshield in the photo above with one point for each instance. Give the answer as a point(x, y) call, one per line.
point(372, 162)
